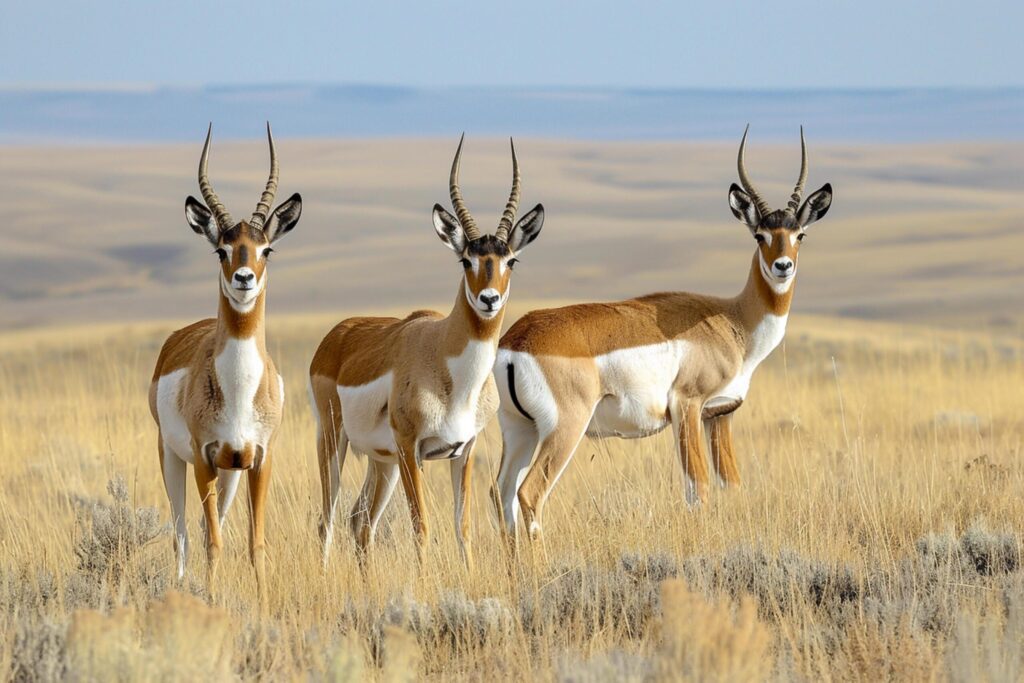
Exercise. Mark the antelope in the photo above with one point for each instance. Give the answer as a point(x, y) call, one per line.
point(630, 368)
point(216, 396)
point(419, 389)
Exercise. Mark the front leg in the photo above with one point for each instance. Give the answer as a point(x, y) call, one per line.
point(686, 422)
point(723, 456)
point(259, 484)
point(412, 482)
point(206, 482)
point(462, 474)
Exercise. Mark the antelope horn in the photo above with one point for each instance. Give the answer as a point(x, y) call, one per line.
point(259, 217)
point(762, 205)
point(798, 191)
point(505, 225)
point(458, 203)
point(223, 218)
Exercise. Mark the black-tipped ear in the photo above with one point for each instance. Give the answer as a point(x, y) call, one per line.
point(201, 220)
point(449, 230)
point(284, 218)
point(743, 207)
point(815, 207)
point(526, 229)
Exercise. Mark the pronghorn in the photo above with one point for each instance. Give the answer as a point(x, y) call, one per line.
point(216, 396)
point(630, 368)
point(405, 391)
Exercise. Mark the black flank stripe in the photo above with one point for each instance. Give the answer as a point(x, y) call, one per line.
point(512, 392)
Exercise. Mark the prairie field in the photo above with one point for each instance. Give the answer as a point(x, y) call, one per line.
point(876, 536)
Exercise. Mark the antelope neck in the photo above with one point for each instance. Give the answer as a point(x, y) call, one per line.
point(235, 324)
point(463, 323)
point(758, 300)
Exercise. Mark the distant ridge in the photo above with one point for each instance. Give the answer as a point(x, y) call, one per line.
point(153, 113)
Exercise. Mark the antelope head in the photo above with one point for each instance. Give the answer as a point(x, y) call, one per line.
point(487, 260)
point(778, 233)
point(243, 247)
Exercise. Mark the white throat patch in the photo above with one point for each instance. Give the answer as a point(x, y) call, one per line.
point(243, 301)
point(475, 304)
point(779, 286)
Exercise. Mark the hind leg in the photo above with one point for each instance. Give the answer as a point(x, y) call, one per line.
point(556, 449)
point(331, 449)
point(381, 478)
point(519, 444)
point(174, 471)
point(462, 472)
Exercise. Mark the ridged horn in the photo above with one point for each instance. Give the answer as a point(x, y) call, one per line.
point(505, 225)
point(741, 167)
point(220, 214)
point(259, 216)
point(798, 191)
point(458, 203)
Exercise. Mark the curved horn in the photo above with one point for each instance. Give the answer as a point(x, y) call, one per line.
point(505, 225)
point(458, 203)
point(762, 205)
point(259, 216)
point(223, 218)
point(798, 191)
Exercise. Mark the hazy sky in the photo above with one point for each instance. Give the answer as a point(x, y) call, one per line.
point(868, 43)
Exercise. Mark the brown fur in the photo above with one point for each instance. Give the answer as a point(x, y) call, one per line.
point(564, 342)
point(416, 349)
point(201, 398)
point(592, 329)
point(197, 347)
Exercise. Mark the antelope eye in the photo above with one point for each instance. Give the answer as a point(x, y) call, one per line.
point(465, 262)
point(267, 252)
point(760, 238)
point(512, 263)
point(221, 254)
point(800, 237)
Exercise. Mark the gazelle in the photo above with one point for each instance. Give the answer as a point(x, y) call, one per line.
point(630, 368)
point(215, 395)
point(421, 388)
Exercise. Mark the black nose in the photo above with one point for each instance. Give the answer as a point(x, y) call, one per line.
point(783, 265)
point(236, 460)
point(244, 279)
point(490, 300)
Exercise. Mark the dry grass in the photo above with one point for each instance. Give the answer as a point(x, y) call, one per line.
point(877, 535)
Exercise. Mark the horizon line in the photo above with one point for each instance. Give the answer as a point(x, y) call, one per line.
point(142, 87)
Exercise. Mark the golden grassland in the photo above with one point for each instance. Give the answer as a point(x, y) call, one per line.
point(877, 534)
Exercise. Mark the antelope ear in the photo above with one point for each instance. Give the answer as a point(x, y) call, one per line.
point(284, 218)
point(816, 206)
point(201, 220)
point(743, 207)
point(449, 230)
point(526, 229)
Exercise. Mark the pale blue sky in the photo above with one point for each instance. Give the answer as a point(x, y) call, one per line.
point(793, 44)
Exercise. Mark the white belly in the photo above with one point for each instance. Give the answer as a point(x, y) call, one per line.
point(637, 385)
point(365, 418)
point(173, 428)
